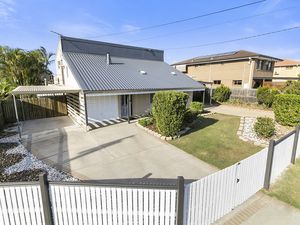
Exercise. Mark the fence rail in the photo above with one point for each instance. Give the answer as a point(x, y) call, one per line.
point(201, 202)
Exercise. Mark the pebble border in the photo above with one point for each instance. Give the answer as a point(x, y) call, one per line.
point(246, 132)
point(182, 132)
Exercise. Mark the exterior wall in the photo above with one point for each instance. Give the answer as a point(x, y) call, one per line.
point(226, 72)
point(286, 71)
point(141, 104)
point(64, 74)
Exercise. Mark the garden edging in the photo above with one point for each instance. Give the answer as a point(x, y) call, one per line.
point(182, 132)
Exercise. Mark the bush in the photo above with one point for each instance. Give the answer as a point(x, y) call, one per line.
point(292, 87)
point(169, 108)
point(264, 127)
point(196, 107)
point(146, 121)
point(287, 109)
point(221, 94)
point(266, 95)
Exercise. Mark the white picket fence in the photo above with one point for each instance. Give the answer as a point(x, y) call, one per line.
point(205, 200)
point(98, 205)
point(21, 204)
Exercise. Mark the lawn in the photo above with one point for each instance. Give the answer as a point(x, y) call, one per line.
point(213, 139)
point(287, 188)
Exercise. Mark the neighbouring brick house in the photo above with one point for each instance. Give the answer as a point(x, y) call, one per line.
point(286, 70)
point(241, 69)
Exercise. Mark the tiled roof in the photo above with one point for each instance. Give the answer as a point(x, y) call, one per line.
point(287, 62)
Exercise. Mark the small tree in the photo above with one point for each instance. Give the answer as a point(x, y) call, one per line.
point(221, 94)
point(168, 110)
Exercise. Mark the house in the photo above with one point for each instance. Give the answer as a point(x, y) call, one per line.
point(105, 82)
point(286, 70)
point(241, 69)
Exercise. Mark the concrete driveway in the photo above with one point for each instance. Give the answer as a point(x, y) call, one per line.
point(115, 152)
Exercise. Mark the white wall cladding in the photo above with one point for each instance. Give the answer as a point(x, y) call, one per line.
point(21, 205)
point(112, 205)
point(282, 157)
point(102, 107)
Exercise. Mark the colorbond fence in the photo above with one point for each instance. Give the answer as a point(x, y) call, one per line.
point(201, 202)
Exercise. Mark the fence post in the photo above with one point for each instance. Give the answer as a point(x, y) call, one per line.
point(180, 200)
point(295, 145)
point(269, 164)
point(44, 185)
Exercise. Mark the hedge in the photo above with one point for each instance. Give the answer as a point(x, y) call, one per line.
point(287, 109)
point(168, 109)
point(196, 107)
point(266, 95)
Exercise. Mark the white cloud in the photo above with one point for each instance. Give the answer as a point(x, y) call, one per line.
point(130, 28)
point(78, 29)
point(6, 9)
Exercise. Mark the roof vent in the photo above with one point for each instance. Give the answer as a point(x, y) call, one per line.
point(173, 73)
point(108, 59)
point(143, 72)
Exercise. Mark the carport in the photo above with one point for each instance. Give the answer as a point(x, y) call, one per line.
point(46, 90)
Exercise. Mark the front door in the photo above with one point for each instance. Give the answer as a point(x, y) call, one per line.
point(124, 106)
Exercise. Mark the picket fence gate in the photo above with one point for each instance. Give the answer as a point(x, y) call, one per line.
point(201, 202)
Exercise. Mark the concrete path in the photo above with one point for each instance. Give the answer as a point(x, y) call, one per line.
point(240, 111)
point(114, 152)
point(262, 209)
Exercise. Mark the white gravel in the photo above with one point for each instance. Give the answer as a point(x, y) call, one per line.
point(31, 162)
point(249, 133)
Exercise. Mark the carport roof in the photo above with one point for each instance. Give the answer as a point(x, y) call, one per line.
point(42, 89)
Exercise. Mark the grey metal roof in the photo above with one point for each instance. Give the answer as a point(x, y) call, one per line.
point(42, 89)
point(93, 74)
point(78, 45)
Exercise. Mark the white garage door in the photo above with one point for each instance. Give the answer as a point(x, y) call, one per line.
point(102, 107)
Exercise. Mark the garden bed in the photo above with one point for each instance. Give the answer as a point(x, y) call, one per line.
point(17, 164)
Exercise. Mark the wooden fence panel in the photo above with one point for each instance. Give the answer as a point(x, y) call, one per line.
point(112, 205)
point(21, 205)
point(30, 108)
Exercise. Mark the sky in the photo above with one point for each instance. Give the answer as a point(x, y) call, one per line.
point(27, 24)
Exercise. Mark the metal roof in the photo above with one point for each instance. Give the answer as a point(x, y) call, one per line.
point(42, 89)
point(78, 45)
point(93, 74)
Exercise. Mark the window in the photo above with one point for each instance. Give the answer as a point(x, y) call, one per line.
point(217, 81)
point(237, 82)
point(289, 67)
point(264, 65)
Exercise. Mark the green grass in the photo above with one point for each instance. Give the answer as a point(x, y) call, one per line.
point(213, 139)
point(287, 188)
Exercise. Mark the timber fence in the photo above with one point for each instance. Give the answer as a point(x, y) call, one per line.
point(196, 203)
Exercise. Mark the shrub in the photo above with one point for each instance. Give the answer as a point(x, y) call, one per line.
point(196, 107)
point(287, 109)
point(266, 95)
point(146, 121)
point(221, 94)
point(168, 110)
point(292, 87)
point(264, 127)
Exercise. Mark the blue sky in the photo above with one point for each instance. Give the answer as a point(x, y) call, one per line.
point(26, 24)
